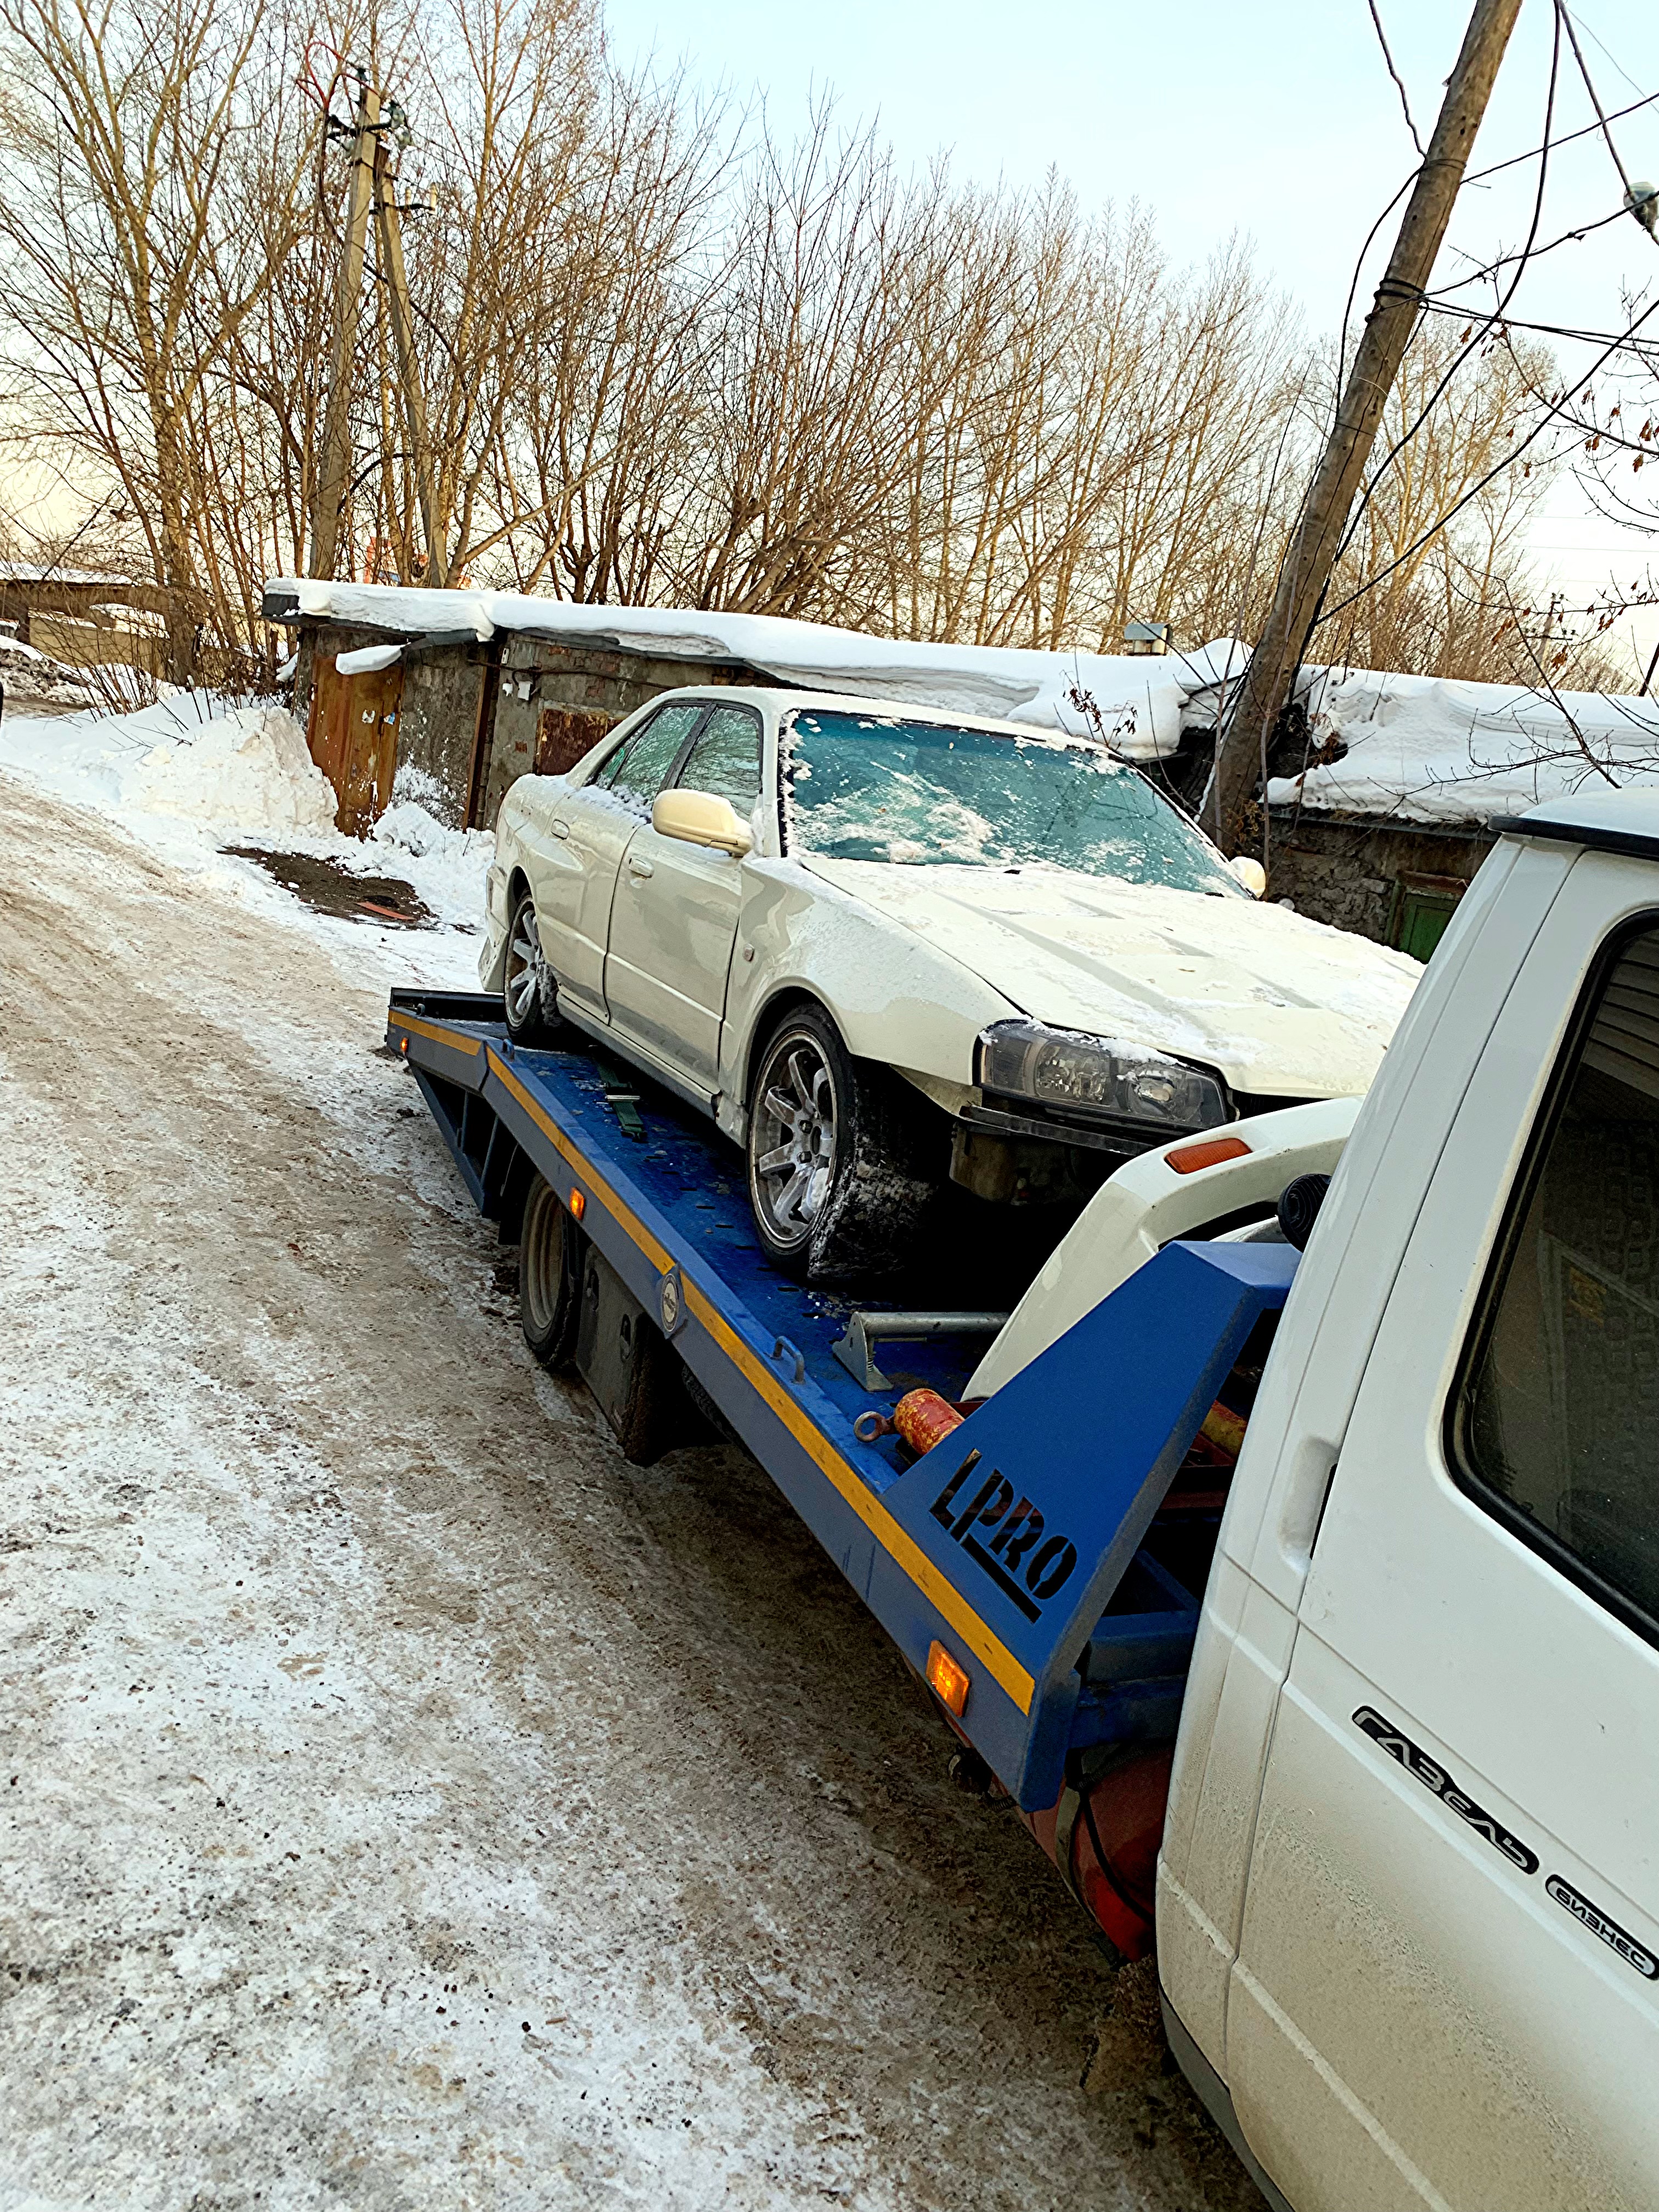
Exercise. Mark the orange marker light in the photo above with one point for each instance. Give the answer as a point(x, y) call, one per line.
point(947, 1682)
point(403, 1044)
point(578, 1205)
point(1187, 1159)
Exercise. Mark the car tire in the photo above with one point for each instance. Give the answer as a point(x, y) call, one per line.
point(530, 991)
point(549, 1276)
point(840, 1156)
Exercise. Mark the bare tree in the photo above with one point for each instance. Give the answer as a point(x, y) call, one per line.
point(664, 357)
point(125, 270)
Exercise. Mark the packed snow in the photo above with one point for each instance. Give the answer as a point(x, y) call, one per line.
point(250, 769)
point(14, 572)
point(405, 1800)
point(191, 774)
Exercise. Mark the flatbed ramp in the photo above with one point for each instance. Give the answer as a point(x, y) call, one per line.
point(1035, 1544)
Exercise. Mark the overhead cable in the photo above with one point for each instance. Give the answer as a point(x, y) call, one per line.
point(1383, 41)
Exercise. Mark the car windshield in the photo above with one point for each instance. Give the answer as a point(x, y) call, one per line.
point(879, 787)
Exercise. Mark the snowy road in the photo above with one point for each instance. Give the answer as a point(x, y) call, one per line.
point(404, 1802)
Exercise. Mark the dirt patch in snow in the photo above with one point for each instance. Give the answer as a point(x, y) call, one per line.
point(328, 888)
point(404, 1803)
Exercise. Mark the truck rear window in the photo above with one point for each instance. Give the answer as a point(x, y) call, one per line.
point(1558, 1419)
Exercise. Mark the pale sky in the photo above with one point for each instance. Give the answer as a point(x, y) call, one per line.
point(1276, 118)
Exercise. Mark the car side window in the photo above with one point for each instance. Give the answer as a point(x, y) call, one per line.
point(1557, 1426)
point(641, 763)
point(726, 758)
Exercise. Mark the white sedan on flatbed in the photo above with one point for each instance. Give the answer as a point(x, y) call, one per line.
point(886, 946)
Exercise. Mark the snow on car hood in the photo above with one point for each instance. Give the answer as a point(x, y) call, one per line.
point(1280, 1005)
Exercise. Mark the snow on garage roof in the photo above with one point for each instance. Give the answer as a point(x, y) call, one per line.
point(1419, 748)
point(1426, 748)
point(1141, 697)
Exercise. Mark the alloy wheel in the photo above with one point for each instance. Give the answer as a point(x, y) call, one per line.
point(794, 1144)
point(525, 981)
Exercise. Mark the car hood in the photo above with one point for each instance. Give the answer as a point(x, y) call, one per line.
point(1279, 1004)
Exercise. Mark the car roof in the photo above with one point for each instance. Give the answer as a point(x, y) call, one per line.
point(782, 699)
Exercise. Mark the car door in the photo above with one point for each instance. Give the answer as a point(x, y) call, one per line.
point(582, 833)
point(674, 919)
point(1447, 1988)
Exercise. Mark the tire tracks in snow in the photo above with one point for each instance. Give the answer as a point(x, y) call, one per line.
point(364, 1706)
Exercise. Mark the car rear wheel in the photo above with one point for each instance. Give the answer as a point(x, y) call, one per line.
point(530, 994)
point(839, 1156)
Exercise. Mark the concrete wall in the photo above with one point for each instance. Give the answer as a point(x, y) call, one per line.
point(437, 716)
point(546, 703)
point(554, 702)
point(444, 692)
point(1352, 872)
point(537, 706)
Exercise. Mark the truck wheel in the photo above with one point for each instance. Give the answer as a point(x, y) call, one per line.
point(530, 994)
point(839, 1156)
point(549, 1276)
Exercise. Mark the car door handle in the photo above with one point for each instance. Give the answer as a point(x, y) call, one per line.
point(560, 828)
point(638, 866)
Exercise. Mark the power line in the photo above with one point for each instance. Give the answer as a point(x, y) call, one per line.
point(1505, 260)
point(1586, 131)
point(1447, 307)
point(1464, 351)
point(1474, 490)
point(1383, 41)
point(1563, 17)
point(1612, 57)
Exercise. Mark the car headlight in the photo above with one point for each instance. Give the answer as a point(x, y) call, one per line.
point(1093, 1077)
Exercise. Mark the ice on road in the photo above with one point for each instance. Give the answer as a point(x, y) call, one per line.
point(403, 1802)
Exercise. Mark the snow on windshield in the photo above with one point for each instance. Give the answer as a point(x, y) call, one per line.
point(867, 787)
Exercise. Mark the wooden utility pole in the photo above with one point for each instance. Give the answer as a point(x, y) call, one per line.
point(335, 468)
point(390, 227)
point(1262, 697)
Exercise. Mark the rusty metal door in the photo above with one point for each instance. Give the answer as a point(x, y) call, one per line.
point(353, 736)
point(565, 733)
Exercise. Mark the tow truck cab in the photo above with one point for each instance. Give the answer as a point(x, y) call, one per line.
point(1406, 1882)
point(1408, 1888)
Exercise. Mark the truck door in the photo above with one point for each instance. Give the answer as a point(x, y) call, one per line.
point(1446, 1983)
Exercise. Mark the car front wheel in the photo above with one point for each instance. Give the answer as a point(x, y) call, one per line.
point(839, 1156)
point(529, 994)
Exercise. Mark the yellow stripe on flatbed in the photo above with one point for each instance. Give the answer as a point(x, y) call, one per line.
point(472, 1046)
point(1004, 1668)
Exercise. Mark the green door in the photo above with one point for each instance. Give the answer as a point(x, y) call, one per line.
point(1420, 920)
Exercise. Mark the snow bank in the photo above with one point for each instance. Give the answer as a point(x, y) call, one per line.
point(249, 769)
point(1428, 750)
point(446, 867)
point(192, 774)
point(29, 677)
point(1140, 697)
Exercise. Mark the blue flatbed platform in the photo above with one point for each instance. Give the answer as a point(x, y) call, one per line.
point(1024, 1543)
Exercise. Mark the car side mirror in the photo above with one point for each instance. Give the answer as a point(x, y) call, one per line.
point(701, 817)
point(1248, 872)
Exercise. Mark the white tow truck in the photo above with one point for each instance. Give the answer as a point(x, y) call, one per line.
point(1404, 1865)
point(1408, 1890)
